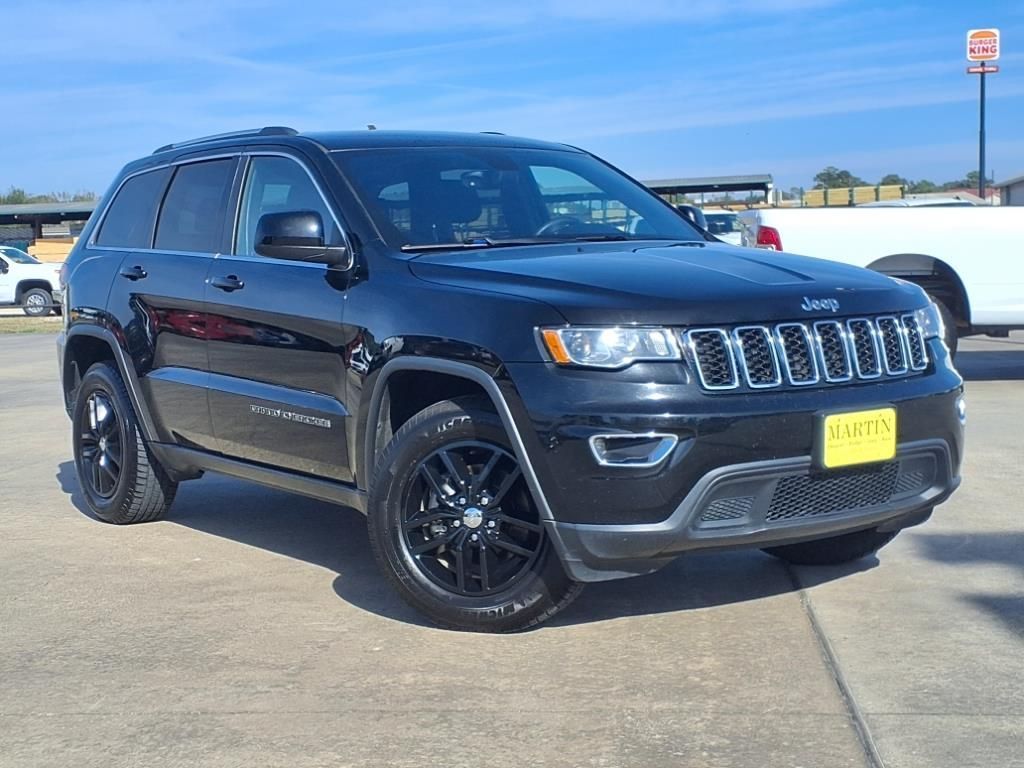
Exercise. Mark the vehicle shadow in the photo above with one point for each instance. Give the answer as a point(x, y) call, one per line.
point(335, 538)
point(991, 359)
point(973, 549)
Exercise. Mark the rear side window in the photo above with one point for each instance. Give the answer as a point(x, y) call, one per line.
point(128, 222)
point(193, 214)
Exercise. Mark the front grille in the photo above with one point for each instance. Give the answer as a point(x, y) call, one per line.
point(800, 496)
point(803, 354)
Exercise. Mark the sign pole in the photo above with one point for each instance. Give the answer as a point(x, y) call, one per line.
point(981, 142)
point(983, 51)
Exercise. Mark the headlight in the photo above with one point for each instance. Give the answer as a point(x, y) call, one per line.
point(609, 347)
point(929, 319)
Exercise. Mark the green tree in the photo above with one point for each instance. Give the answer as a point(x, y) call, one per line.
point(922, 187)
point(832, 177)
point(894, 178)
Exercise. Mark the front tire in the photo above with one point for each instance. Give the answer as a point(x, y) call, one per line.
point(455, 529)
point(36, 302)
point(121, 482)
point(836, 550)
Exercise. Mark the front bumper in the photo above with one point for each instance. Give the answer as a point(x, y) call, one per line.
point(765, 504)
point(610, 521)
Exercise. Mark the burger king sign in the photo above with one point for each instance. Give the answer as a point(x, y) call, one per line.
point(983, 45)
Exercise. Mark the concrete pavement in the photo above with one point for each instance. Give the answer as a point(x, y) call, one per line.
point(250, 628)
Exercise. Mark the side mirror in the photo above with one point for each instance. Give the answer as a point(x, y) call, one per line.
point(693, 214)
point(3, 267)
point(297, 236)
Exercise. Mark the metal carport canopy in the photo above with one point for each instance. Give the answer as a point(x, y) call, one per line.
point(696, 185)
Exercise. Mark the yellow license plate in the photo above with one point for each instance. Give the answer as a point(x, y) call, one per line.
point(859, 437)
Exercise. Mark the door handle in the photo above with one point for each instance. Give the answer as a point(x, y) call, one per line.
point(229, 283)
point(133, 273)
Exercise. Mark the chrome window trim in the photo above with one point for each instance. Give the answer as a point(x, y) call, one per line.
point(811, 354)
point(872, 333)
point(655, 457)
point(769, 338)
point(905, 368)
point(692, 347)
point(844, 343)
point(247, 157)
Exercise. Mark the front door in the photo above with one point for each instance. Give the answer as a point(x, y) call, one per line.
point(276, 346)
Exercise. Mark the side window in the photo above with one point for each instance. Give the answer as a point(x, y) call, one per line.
point(129, 220)
point(278, 185)
point(193, 213)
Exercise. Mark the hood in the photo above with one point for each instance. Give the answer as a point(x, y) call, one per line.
point(673, 285)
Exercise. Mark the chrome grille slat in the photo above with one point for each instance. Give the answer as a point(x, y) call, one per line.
point(797, 354)
point(802, 354)
point(918, 352)
point(833, 348)
point(758, 357)
point(864, 348)
point(713, 357)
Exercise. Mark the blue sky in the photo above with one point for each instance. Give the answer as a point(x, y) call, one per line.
point(659, 87)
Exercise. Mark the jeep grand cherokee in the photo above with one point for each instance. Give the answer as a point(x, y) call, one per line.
point(528, 371)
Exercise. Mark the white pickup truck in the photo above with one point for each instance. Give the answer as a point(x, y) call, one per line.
point(28, 282)
point(970, 258)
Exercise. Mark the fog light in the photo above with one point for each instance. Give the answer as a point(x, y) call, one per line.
point(961, 409)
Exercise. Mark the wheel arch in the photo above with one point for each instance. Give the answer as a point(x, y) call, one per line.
point(458, 374)
point(933, 275)
point(26, 285)
point(86, 345)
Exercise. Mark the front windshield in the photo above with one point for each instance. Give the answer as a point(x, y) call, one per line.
point(722, 223)
point(17, 256)
point(432, 196)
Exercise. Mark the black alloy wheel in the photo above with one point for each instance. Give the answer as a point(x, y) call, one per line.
point(102, 445)
point(469, 523)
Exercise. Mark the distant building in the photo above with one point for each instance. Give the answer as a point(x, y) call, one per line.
point(1012, 191)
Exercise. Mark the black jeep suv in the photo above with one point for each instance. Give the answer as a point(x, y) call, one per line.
point(527, 370)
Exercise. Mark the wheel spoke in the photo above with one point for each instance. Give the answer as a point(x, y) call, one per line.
point(422, 519)
point(434, 543)
point(516, 522)
point(479, 481)
point(506, 484)
point(485, 577)
point(434, 481)
point(97, 476)
point(460, 565)
point(509, 546)
point(457, 469)
point(111, 473)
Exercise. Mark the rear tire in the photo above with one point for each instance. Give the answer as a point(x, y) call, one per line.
point(36, 302)
point(122, 483)
point(455, 529)
point(836, 550)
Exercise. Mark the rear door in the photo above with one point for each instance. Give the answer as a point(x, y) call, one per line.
point(158, 294)
point(276, 345)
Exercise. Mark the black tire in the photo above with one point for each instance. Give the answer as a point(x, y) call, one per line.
point(122, 483)
point(36, 302)
point(448, 582)
point(952, 335)
point(835, 550)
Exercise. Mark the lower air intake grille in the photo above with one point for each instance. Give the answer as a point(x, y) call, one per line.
point(727, 509)
point(799, 496)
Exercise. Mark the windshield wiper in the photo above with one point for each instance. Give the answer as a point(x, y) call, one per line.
point(477, 243)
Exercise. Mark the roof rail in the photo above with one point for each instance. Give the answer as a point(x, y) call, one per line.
point(270, 130)
point(493, 133)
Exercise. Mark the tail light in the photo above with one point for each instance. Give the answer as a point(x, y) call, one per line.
point(769, 238)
